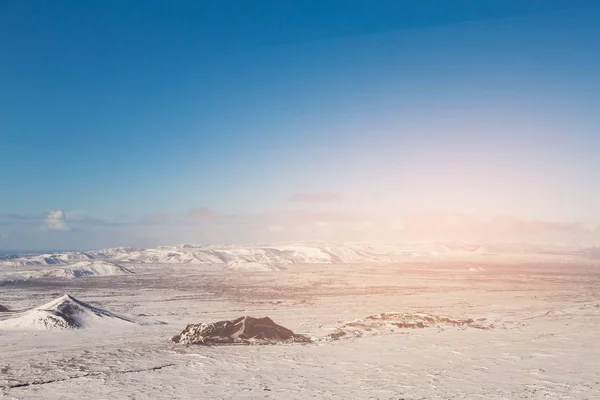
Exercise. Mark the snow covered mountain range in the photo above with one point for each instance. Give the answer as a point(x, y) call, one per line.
point(261, 257)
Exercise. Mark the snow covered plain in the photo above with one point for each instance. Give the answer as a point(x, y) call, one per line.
point(387, 322)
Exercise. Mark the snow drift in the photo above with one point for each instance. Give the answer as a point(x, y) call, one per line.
point(252, 266)
point(244, 330)
point(66, 312)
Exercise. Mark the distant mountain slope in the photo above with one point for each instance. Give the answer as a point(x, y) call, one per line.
point(75, 270)
point(46, 259)
point(265, 254)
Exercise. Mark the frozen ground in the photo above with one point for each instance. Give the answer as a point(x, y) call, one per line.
point(541, 314)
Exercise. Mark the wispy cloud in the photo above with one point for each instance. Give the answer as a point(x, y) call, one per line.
point(157, 218)
point(205, 225)
point(456, 226)
point(202, 214)
point(20, 219)
point(194, 216)
point(321, 197)
point(509, 223)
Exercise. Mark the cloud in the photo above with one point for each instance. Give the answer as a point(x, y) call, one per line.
point(202, 214)
point(306, 217)
point(55, 221)
point(503, 223)
point(195, 216)
point(440, 222)
point(157, 218)
point(512, 224)
point(456, 226)
point(204, 225)
point(322, 197)
point(276, 228)
point(21, 217)
point(314, 225)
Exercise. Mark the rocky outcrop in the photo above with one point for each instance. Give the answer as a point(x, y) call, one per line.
point(390, 322)
point(243, 330)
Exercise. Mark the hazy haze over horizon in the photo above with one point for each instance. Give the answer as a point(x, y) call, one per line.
point(145, 124)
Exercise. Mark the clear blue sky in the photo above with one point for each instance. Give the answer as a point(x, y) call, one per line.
point(149, 122)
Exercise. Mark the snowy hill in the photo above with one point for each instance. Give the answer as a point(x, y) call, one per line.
point(76, 270)
point(65, 312)
point(84, 268)
point(251, 266)
point(46, 259)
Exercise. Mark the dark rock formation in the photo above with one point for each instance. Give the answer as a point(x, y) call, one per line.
point(243, 330)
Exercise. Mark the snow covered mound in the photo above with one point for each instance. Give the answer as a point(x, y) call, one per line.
point(65, 312)
point(244, 330)
point(252, 266)
point(393, 321)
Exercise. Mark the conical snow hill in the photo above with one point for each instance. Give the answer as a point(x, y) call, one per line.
point(65, 312)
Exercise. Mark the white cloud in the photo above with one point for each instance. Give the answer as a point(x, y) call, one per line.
point(322, 197)
point(55, 221)
point(276, 228)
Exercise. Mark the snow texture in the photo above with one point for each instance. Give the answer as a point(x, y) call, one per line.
point(412, 321)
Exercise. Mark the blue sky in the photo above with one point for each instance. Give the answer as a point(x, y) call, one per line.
point(145, 123)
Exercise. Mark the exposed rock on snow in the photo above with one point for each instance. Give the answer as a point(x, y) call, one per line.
point(65, 312)
point(244, 330)
point(4, 308)
point(393, 321)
